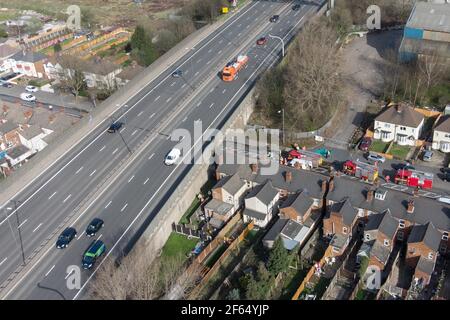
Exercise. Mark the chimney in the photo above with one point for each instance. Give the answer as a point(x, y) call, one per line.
point(416, 192)
point(410, 206)
point(324, 186)
point(369, 195)
point(331, 185)
point(288, 176)
point(297, 165)
point(254, 167)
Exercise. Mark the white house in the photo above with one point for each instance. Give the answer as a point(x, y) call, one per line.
point(400, 124)
point(259, 204)
point(441, 135)
point(18, 155)
point(28, 63)
point(33, 137)
point(6, 52)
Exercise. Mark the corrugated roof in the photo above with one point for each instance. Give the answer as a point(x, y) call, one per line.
point(430, 16)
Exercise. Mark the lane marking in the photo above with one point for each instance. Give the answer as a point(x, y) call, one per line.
point(146, 180)
point(151, 156)
point(115, 150)
point(211, 105)
point(78, 171)
point(52, 195)
point(199, 103)
point(124, 207)
point(3, 261)
point(20, 225)
point(40, 224)
point(184, 119)
point(129, 180)
point(71, 271)
point(100, 236)
point(209, 61)
point(80, 236)
point(121, 130)
point(109, 203)
point(196, 73)
point(157, 98)
point(92, 173)
point(134, 132)
point(184, 85)
point(173, 83)
point(224, 90)
point(152, 115)
point(170, 98)
point(103, 148)
point(68, 197)
point(48, 272)
point(220, 51)
point(140, 113)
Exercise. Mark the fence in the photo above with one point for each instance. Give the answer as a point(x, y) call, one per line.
point(182, 229)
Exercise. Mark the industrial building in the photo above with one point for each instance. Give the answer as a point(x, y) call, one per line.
point(427, 31)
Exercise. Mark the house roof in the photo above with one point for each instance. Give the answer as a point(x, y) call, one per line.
point(17, 151)
point(401, 115)
point(130, 72)
point(374, 221)
point(31, 132)
point(430, 16)
point(7, 50)
point(219, 207)
point(300, 201)
point(275, 230)
point(388, 225)
point(291, 229)
point(231, 184)
point(264, 193)
point(338, 241)
point(216, 223)
point(380, 251)
point(427, 234)
point(29, 56)
point(345, 210)
point(425, 265)
point(254, 214)
point(7, 127)
point(101, 67)
point(443, 124)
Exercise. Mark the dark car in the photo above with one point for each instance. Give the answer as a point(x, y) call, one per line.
point(115, 126)
point(261, 41)
point(405, 166)
point(177, 73)
point(6, 84)
point(296, 7)
point(94, 226)
point(365, 144)
point(274, 18)
point(446, 176)
point(65, 237)
point(95, 250)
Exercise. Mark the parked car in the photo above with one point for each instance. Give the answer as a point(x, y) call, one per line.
point(95, 250)
point(446, 176)
point(296, 7)
point(65, 237)
point(177, 73)
point(27, 97)
point(172, 156)
point(115, 126)
point(427, 155)
point(405, 166)
point(374, 157)
point(365, 144)
point(274, 18)
point(31, 89)
point(7, 85)
point(93, 227)
point(261, 41)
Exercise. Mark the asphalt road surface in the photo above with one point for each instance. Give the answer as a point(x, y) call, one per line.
point(133, 199)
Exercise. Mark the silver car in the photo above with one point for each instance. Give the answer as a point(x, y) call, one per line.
point(427, 155)
point(375, 157)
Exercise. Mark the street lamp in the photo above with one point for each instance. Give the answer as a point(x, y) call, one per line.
point(18, 228)
point(282, 112)
point(282, 43)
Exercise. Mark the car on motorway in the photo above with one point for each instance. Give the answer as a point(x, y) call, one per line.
point(93, 227)
point(374, 157)
point(31, 89)
point(65, 237)
point(27, 97)
point(172, 157)
point(274, 18)
point(427, 155)
point(365, 144)
point(95, 250)
point(177, 73)
point(115, 126)
point(261, 41)
point(296, 7)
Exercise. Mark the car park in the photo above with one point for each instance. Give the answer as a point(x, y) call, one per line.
point(115, 126)
point(374, 157)
point(365, 144)
point(274, 18)
point(31, 89)
point(90, 256)
point(93, 227)
point(66, 237)
point(261, 41)
point(172, 156)
point(27, 97)
point(427, 155)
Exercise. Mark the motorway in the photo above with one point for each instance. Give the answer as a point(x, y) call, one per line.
point(132, 199)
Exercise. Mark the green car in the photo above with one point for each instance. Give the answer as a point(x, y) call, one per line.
point(323, 152)
point(95, 250)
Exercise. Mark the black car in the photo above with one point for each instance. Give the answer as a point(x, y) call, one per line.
point(115, 126)
point(93, 227)
point(446, 176)
point(177, 73)
point(7, 85)
point(296, 7)
point(405, 166)
point(65, 237)
point(275, 18)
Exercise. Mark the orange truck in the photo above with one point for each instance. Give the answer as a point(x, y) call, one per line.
point(231, 70)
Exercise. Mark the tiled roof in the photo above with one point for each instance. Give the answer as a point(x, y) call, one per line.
point(301, 202)
point(443, 124)
point(426, 233)
point(264, 193)
point(401, 115)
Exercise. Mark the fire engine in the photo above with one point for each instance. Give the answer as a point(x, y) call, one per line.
point(414, 178)
point(364, 171)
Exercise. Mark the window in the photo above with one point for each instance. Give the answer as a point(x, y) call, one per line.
point(443, 248)
point(402, 128)
point(336, 250)
point(401, 223)
point(344, 230)
point(400, 235)
point(445, 236)
point(367, 237)
point(430, 256)
point(386, 242)
point(386, 125)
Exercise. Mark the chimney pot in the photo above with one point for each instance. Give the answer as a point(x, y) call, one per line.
point(324, 185)
point(288, 176)
point(416, 192)
point(331, 185)
point(370, 195)
point(410, 206)
point(254, 167)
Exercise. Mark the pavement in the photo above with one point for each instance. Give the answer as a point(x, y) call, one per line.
point(99, 177)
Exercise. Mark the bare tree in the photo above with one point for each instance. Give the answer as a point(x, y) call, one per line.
point(70, 74)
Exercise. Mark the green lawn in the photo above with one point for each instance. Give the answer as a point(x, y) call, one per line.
point(379, 146)
point(399, 152)
point(178, 244)
point(190, 211)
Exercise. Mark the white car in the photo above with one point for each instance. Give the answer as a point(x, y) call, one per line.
point(27, 97)
point(374, 157)
point(31, 89)
point(172, 156)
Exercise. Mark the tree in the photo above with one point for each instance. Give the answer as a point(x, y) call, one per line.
point(138, 39)
point(279, 258)
point(70, 74)
point(234, 294)
point(57, 47)
point(3, 33)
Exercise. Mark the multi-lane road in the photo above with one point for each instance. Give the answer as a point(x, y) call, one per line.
point(75, 188)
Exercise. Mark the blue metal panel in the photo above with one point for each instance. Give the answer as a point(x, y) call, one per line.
point(413, 33)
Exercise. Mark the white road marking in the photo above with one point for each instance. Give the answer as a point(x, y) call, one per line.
point(288, 21)
point(3, 261)
point(20, 225)
point(146, 180)
point(124, 207)
point(256, 56)
point(220, 41)
point(211, 105)
point(212, 89)
point(92, 173)
point(248, 26)
point(196, 73)
point(209, 61)
point(78, 171)
point(134, 132)
point(68, 275)
point(140, 113)
point(103, 148)
point(199, 60)
point(184, 85)
point(115, 150)
point(100, 236)
point(209, 51)
point(121, 130)
point(184, 119)
point(224, 90)
point(151, 156)
point(152, 115)
point(199, 103)
point(109, 203)
point(173, 83)
point(48, 272)
point(157, 98)
point(67, 198)
point(79, 237)
point(239, 34)
point(52, 195)
point(129, 180)
point(271, 28)
point(40, 224)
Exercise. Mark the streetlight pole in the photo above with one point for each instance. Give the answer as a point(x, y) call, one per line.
point(282, 114)
point(282, 43)
point(18, 229)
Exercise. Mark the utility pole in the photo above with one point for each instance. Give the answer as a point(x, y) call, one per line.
point(282, 43)
point(282, 114)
